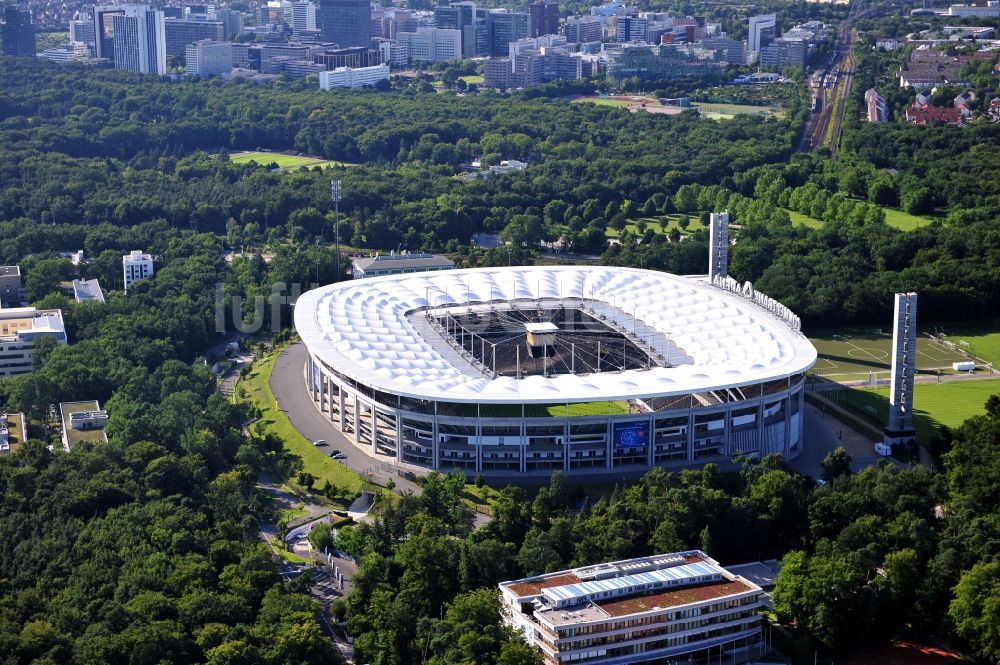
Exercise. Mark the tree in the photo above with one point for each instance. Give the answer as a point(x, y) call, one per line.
point(836, 464)
point(975, 610)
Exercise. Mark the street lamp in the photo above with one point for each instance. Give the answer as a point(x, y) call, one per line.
point(335, 195)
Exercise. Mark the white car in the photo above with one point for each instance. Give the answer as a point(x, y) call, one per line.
point(319, 442)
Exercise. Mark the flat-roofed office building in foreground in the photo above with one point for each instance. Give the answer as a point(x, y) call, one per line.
point(20, 329)
point(670, 607)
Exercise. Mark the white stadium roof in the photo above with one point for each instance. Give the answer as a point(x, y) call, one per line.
point(362, 329)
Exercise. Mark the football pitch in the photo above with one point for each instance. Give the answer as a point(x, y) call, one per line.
point(282, 160)
point(851, 356)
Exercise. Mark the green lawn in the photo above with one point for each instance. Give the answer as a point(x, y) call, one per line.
point(653, 223)
point(275, 422)
point(478, 79)
point(898, 219)
point(727, 111)
point(283, 161)
point(947, 403)
point(804, 220)
point(604, 101)
point(904, 221)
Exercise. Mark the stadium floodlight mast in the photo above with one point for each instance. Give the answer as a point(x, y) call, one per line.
point(335, 195)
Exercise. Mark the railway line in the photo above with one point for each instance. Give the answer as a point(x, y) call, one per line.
point(830, 88)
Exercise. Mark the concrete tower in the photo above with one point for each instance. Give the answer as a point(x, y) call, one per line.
point(718, 248)
point(899, 429)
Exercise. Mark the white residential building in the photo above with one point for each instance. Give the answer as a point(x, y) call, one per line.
point(353, 77)
point(679, 607)
point(431, 44)
point(136, 265)
point(208, 58)
point(20, 329)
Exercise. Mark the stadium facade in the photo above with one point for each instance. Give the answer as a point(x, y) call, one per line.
point(524, 370)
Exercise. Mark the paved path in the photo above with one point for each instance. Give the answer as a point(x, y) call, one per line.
point(289, 388)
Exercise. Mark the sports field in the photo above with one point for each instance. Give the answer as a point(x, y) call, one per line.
point(949, 403)
point(621, 102)
point(727, 111)
point(284, 161)
point(981, 342)
point(864, 356)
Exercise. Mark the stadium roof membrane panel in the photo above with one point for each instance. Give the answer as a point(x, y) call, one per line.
point(362, 328)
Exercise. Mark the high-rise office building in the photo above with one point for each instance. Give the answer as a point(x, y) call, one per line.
point(506, 27)
point(18, 32)
point(139, 40)
point(431, 44)
point(303, 17)
point(454, 16)
point(208, 58)
point(544, 17)
point(583, 29)
point(232, 21)
point(104, 30)
point(345, 22)
point(179, 32)
point(475, 40)
point(762, 32)
point(81, 29)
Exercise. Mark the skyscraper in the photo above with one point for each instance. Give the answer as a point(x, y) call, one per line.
point(18, 32)
point(139, 43)
point(762, 32)
point(345, 22)
point(506, 27)
point(544, 18)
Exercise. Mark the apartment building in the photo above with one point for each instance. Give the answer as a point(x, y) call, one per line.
point(680, 606)
point(136, 265)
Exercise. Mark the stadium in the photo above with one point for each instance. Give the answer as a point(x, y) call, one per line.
point(523, 370)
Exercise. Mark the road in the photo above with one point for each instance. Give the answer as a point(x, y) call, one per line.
point(289, 388)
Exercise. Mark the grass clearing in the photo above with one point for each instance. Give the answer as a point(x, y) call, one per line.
point(477, 79)
point(804, 220)
point(284, 161)
point(947, 403)
point(898, 219)
point(904, 221)
point(653, 224)
point(274, 421)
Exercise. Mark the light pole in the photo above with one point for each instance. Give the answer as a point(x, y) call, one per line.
point(335, 194)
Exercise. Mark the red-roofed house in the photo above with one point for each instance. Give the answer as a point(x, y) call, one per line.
point(925, 115)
